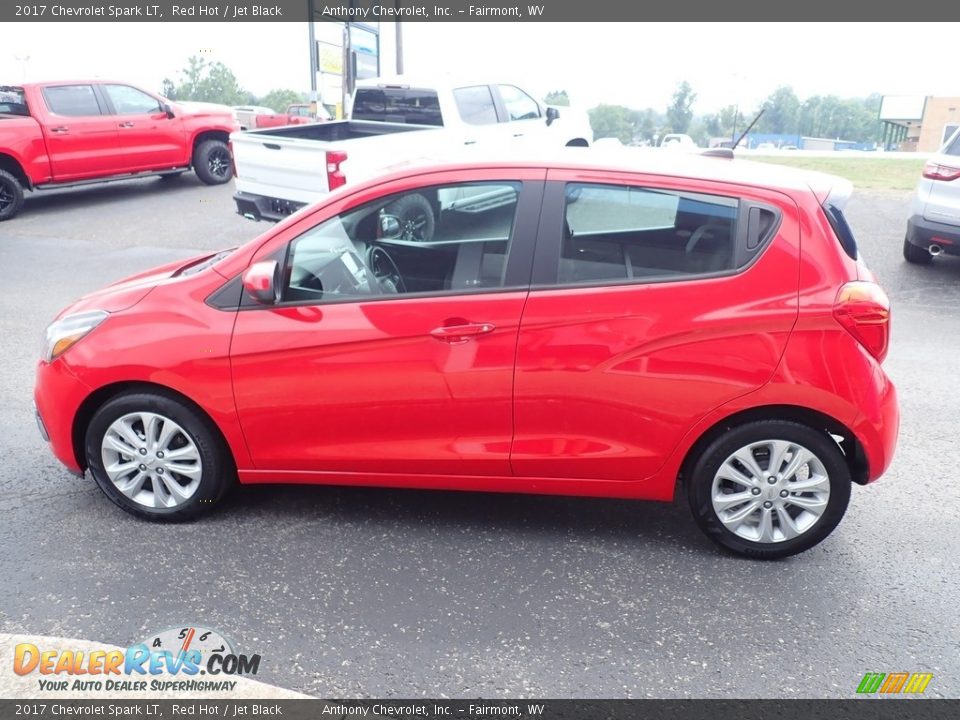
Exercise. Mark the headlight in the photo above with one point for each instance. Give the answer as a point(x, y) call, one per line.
point(63, 333)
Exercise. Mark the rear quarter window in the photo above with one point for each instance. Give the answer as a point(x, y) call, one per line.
point(397, 105)
point(841, 229)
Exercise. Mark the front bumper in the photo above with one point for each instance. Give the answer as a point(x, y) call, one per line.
point(260, 207)
point(58, 395)
point(924, 233)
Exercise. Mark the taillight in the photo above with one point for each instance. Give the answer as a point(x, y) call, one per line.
point(936, 171)
point(863, 309)
point(335, 176)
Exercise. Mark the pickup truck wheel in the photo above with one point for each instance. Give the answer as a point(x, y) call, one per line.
point(11, 195)
point(212, 162)
point(415, 216)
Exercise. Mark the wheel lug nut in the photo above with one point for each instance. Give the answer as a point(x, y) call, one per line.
point(160, 454)
point(143, 467)
point(784, 493)
point(768, 504)
point(159, 471)
point(143, 451)
point(756, 491)
point(772, 480)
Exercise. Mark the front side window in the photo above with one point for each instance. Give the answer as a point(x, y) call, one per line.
point(71, 100)
point(475, 105)
point(130, 101)
point(444, 239)
point(519, 105)
point(621, 233)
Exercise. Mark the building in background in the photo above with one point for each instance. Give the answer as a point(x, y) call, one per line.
point(917, 123)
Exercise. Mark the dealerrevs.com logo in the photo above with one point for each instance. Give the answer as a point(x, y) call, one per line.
point(170, 661)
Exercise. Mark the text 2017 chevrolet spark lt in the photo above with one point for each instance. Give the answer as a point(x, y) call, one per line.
point(612, 330)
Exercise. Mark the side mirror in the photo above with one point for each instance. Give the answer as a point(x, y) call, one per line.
point(165, 107)
point(261, 281)
point(552, 114)
point(389, 226)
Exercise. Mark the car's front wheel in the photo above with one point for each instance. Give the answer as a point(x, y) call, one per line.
point(212, 162)
point(156, 457)
point(769, 489)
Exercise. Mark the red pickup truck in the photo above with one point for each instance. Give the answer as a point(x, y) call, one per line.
point(298, 114)
point(62, 134)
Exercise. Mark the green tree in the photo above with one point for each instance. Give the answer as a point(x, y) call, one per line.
point(615, 121)
point(208, 82)
point(279, 99)
point(168, 90)
point(557, 97)
point(781, 112)
point(680, 110)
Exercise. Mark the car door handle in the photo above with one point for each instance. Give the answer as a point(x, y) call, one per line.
point(518, 134)
point(461, 333)
point(60, 130)
point(469, 142)
point(126, 125)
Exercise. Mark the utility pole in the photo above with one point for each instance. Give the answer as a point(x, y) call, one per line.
point(399, 43)
point(314, 59)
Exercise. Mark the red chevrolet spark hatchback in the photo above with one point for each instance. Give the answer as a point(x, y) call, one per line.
point(608, 329)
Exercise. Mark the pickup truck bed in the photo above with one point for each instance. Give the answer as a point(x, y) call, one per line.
point(280, 170)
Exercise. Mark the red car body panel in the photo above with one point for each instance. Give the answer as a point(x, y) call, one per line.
point(52, 149)
point(599, 391)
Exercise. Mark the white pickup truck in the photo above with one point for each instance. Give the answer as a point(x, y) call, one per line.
point(279, 170)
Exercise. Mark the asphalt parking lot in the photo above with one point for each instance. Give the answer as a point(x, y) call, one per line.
point(384, 593)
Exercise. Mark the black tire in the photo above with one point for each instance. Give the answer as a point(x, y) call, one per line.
point(11, 195)
point(217, 475)
point(416, 216)
point(915, 254)
point(212, 162)
point(706, 466)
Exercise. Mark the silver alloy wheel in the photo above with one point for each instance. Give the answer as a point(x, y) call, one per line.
point(151, 460)
point(770, 491)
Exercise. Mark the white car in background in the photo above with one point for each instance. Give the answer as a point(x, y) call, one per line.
point(678, 141)
point(934, 224)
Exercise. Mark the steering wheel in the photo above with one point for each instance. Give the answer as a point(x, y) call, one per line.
point(385, 271)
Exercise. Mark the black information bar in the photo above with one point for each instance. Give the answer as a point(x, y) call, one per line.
point(476, 11)
point(854, 709)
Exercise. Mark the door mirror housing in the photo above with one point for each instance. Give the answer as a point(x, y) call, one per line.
point(261, 281)
point(166, 108)
point(552, 114)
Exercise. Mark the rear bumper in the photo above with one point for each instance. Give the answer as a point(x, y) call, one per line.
point(260, 207)
point(878, 425)
point(924, 233)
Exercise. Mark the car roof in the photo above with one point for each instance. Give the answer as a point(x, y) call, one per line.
point(651, 161)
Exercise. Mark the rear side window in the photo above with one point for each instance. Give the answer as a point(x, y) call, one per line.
point(398, 105)
point(475, 105)
point(841, 229)
point(953, 147)
point(72, 100)
point(12, 101)
point(614, 232)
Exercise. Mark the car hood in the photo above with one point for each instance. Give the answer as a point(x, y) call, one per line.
point(205, 109)
point(126, 293)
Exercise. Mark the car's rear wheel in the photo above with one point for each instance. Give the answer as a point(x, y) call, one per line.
point(157, 458)
point(915, 254)
point(212, 162)
point(11, 195)
point(769, 489)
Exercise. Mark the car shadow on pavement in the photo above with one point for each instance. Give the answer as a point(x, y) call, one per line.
point(88, 196)
point(523, 515)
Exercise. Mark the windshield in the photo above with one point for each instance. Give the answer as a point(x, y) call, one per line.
point(398, 105)
point(12, 101)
